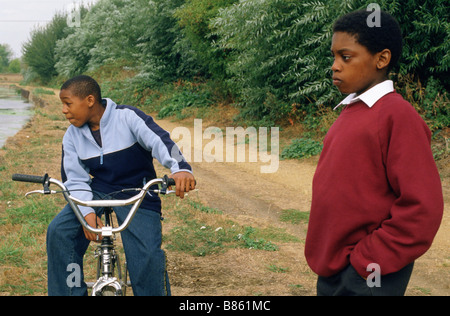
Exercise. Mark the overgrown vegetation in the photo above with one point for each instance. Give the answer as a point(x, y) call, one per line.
point(269, 58)
point(302, 148)
point(8, 64)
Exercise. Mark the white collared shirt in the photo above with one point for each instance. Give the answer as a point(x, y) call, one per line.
point(371, 96)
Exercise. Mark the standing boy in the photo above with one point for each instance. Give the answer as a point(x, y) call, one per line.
point(377, 199)
point(108, 148)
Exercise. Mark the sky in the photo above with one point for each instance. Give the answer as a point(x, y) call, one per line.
point(19, 17)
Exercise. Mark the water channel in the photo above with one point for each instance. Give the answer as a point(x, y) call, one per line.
point(15, 112)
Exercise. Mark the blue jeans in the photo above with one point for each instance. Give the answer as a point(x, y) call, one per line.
point(146, 261)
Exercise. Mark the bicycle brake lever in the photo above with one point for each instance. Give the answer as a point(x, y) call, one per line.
point(47, 184)
point(40, 192)
point(172, 191)
point(164, 192)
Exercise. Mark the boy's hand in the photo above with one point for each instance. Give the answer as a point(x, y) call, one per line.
point(184, 182)
point(94, 221)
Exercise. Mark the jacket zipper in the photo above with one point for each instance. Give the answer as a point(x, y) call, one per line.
point(92, 140)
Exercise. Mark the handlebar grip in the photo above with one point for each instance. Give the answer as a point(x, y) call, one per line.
point(170, 182)
point(29, 178)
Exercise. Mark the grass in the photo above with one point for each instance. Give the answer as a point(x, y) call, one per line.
point(294, 216)
point(10, 253)
point(201, 231)
point(36, 149)
point(41, 91)
point(277, 269)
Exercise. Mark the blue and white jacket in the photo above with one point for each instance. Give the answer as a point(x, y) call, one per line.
point(130, 141)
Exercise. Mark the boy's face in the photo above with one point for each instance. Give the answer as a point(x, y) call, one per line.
point(355, 68)
point(77, 110)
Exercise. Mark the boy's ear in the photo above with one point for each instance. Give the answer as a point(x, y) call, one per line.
point(91, 100)
point(384, 58)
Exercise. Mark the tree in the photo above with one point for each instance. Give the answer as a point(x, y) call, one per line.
point(14, 66)
point(193, 18)
point(280, 58)
point(5, 57)
point(39, 51)
point(279, 53)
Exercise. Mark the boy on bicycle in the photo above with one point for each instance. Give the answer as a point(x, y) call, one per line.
point(107, 148)
point(377, 198)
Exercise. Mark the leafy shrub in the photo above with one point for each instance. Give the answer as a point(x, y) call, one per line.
point(39, 51)
point(430, 100)
point(103, 36)
point(5, 59)
point(426, 31)
point(193, 18)
point(186, 97)
point(281, 47)
point(302, 148)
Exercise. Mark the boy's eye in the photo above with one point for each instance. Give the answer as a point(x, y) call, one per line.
point(346, 57)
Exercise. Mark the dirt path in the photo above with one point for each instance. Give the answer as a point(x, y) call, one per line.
point(242, 192)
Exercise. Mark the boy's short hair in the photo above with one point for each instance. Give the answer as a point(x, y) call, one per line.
point(82, 86)
point(375, 38)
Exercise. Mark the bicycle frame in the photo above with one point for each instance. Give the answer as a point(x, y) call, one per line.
point(106, 284)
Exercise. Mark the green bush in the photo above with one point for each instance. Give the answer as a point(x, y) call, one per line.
point(7, 64)
point(39, 51)
point(193, 18)
point(302, 148)
point(185, 98)
point(426, 31)
point(281, 48)
point(14, 66)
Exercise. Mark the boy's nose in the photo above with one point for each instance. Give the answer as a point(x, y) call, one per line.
point(65, 110)
point(335, 66)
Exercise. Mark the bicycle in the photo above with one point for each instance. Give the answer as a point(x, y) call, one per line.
point(108, 260)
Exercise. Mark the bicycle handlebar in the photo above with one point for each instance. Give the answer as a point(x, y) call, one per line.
point(74, 202)
point(29, 178)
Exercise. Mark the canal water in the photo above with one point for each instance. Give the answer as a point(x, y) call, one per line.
point(15, 112)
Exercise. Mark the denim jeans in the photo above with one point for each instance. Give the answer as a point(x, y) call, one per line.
point(146, 261)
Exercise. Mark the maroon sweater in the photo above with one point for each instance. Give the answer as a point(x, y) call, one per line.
point(377, 195)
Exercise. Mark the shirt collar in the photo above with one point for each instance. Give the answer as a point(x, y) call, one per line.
point(371, 96)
